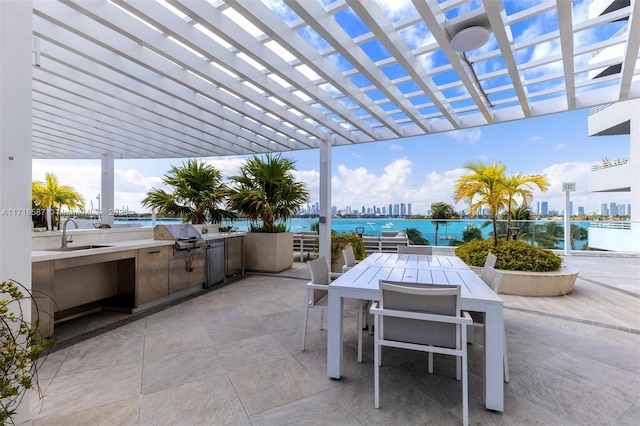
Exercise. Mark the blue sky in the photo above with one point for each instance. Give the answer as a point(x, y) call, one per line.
point(418, 170)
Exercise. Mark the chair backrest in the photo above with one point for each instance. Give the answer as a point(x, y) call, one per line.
point(349, 257)
point(492, 278)
point(415, 250)
point(491, 260)
point(388, 233)
point(319, 269)
point(440, 299)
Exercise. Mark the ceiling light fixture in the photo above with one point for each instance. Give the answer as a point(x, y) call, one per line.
point(470, 38)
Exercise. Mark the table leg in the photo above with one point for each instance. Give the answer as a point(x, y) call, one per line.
point(493, 353)
point(334, 339)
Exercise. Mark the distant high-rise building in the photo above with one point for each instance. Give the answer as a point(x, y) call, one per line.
point(544, 208)
point(604, 210)
point(622, 209)
point(629, 209)
point(409, 209)
point(396, 209)
point(580, 210)
point(390, 210)
point(613, 209)
point(334, 210)
point(403, 209)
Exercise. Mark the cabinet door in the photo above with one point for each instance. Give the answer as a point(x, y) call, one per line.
point(198, 273)
point(179, 274)
point(152, 274)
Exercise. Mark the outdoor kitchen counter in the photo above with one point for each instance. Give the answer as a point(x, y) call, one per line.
point(115, 246)
point(127, 275)
point(110, 247)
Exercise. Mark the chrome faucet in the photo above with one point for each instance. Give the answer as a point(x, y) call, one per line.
point(64, 231)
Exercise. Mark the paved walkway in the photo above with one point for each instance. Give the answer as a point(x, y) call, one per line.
point(231, 355)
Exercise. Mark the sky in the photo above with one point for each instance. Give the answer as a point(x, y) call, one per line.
point(419, 170)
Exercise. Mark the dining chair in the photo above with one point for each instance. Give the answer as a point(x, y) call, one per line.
point(493, 279)
point(349, 259)
point(318, 296)
point(489, 261)
point(415, 250)
point(421, 317)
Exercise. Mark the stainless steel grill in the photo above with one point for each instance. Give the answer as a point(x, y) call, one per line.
point(187, 238)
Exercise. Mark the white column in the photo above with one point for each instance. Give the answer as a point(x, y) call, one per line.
point(16, 62)
point(634, 159)
point(107, 186)
point(567, 225)
point(325, 201)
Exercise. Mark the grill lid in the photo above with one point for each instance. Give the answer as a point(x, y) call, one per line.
point(185, 235)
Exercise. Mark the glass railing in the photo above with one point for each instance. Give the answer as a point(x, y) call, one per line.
point(605, 164)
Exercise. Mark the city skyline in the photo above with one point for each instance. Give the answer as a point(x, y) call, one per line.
point(405, 209)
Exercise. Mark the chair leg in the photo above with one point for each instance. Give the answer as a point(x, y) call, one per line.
point(430, 362)
point(465, 388)
point(322, 319)
point(304, 329)
point(376, 370)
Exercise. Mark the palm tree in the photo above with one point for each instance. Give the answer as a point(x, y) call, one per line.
point(483, 187)
point(197, 195)
point(519, 186)
point(415, 237)
point(52, 196)
point(266, 191)
point(440, 212)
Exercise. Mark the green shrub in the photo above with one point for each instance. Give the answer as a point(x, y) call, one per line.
point(340, 241)
point(512, 255)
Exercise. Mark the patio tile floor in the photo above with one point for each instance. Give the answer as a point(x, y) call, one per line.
point(231, 355)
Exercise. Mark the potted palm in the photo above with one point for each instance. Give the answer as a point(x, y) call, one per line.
point(197, 194)
point(268, 195)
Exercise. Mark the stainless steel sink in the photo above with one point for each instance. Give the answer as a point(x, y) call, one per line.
point(74, 248)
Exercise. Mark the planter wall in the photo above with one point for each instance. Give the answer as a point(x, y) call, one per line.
point(554, 283)
point(268, 252)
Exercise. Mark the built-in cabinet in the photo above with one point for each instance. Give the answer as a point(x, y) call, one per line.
point(152, 274)
point(187, 271)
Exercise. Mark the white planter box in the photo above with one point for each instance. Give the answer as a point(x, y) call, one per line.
point(554, 283)
point(268, 252)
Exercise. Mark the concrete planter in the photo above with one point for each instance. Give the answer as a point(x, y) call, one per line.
point(554, 283)
point(268, 252)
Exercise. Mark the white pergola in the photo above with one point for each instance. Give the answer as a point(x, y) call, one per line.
point(190, 78)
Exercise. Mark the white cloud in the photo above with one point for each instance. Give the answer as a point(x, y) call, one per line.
point(559, 147)
point(395, 147)
point(470, 136)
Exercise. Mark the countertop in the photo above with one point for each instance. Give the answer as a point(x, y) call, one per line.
point(113, 247)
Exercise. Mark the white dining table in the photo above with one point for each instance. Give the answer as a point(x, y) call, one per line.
point(362, 282)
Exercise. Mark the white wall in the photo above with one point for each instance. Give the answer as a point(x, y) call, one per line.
point(616, 239)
